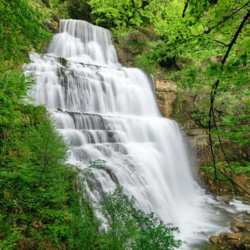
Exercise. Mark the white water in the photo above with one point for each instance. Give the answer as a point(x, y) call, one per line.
point(108, 112)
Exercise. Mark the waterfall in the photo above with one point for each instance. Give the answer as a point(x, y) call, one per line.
point(108, 112)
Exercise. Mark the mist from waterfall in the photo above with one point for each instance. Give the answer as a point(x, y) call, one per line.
point(108, 112)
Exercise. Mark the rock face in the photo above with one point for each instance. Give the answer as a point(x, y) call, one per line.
point(238, 239)
point(231, 241)
point(166, 95)
point(166, 92)
point(183, 109)
point(200, 143)
point(241, 224)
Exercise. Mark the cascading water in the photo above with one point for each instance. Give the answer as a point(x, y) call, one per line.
point(108, 112)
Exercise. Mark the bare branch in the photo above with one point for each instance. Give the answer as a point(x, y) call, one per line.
point(185, 8)
point(226, 18)
point(220, 42)
point(235, 37)
point(212, 119)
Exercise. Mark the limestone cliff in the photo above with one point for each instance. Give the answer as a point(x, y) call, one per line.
point(166, 92)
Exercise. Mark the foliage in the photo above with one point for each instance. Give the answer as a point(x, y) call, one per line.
point(37, 190)
point(13, 89)
point(79, 9)
point(21, 30)
point(121, 14)
point(232, 114)
point(130, 228)
point(235, 168)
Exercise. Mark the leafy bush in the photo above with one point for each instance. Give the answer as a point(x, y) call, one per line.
point(35, 187)
point(130, 228)
point(122, 14)
point(79, 9)
point(21, 30)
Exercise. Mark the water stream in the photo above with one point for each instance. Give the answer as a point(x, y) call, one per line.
point(108, 112)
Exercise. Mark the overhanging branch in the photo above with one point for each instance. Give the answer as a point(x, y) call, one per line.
point(226, 18)
point(185, 8)
point(213, 93)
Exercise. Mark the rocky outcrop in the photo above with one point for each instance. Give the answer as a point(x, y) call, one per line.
point(200, 143)
point(53, 24)
point(166, 92)
point(238, 238)
point(183, 109)
point(166, 96)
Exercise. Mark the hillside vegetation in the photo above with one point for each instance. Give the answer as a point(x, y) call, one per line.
point(41, 204)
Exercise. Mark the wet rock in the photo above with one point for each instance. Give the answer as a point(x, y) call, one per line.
point(225, 198)
point(215, 240)
point(238, 225)
point(200, 144)
point(241, 224)
point(238, 239)
point(232, 237)
point(227, 241)
point(124, 55)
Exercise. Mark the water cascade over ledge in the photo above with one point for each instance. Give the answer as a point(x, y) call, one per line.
point(108, 112)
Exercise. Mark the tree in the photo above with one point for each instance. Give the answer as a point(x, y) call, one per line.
point(132, 228)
